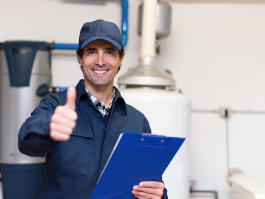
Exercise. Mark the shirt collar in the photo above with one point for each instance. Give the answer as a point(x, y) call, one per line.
point(94, 100)
point(80, 91)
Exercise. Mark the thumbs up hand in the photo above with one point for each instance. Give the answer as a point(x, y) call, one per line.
point(64, 118)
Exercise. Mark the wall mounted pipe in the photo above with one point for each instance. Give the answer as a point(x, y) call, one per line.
point(61, 46)
point(215, 193)
point(148, 29)
point(124, 21)
point(44, 89)
point(124, 30)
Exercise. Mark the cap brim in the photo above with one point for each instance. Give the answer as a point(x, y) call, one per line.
point(113, 42)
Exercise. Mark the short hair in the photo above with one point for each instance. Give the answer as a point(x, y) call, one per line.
point(80, 53)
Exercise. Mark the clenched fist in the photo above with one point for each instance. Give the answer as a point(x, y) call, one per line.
point(64, 117)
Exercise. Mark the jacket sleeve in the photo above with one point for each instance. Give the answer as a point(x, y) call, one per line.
point(147, 129)
point(34, 135)
point(164, 191)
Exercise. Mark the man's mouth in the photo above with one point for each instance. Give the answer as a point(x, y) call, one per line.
point(102, 71)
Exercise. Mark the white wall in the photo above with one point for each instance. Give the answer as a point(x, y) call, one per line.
point(215, 51)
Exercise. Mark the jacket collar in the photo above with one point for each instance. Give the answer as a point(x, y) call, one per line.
point(80, 91)
point(119, 98)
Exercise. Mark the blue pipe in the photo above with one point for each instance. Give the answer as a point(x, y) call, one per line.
point(124, 30)
point(124, 21)
point(58, 46)
point(43, 90)
point(62, 89)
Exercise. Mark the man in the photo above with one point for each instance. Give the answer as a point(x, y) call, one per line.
point(77, 129)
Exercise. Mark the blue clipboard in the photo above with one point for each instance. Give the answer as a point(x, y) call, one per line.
point(135, 158)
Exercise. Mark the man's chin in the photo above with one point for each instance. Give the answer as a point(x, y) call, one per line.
point(100, 83)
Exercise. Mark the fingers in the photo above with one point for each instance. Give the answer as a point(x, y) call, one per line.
point(143, 195)
point(61, 119)
point(71, 95)
point(58, 136)
point(147, 192)
point(152, 184)
point(150, 189)
point(61, 128)
point(65, 112)
point(157, 192)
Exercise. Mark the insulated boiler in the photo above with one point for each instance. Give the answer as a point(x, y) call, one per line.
point(24, 66)
point(168, 113)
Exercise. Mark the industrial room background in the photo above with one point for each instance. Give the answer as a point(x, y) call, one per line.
point(214, 51)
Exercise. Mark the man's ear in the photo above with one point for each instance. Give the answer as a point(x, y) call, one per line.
point(80, 60)
point(121, 59)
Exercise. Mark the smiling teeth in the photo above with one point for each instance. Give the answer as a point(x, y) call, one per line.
point(96, 71)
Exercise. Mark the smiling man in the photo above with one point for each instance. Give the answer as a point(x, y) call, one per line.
point(77, 129)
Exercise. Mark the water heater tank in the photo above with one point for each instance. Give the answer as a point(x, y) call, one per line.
point(168, 113)
point(22, 72)
point(24, 66)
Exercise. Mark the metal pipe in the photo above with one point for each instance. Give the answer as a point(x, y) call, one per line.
point(57, 89)
point(124, 22)
point(148, 29)
point(215, 193)
point(124, 30)
point(204, 111)
point(238, 112)
point(249, 112)
point(60, 46)
point(44, 89)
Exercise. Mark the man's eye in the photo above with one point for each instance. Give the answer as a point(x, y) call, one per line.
point(91, 52)
point(110, 53)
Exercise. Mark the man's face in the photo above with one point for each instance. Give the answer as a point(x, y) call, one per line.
point(100, 62)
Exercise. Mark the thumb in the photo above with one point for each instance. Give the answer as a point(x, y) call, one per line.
point(71, 95)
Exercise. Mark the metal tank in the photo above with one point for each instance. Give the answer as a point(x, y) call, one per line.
point(163, 19)
point(24, 66)
point(168, 112)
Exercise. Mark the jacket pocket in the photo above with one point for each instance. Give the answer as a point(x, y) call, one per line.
point(82, 129)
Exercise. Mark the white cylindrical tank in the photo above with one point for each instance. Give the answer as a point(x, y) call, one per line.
point(168, 113)
point(19, 100)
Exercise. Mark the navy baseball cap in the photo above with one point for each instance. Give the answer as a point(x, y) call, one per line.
point(100, 29)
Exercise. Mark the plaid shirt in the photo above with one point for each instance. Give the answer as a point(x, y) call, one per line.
point(100, 105)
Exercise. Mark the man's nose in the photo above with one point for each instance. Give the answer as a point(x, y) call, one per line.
point(100, 60)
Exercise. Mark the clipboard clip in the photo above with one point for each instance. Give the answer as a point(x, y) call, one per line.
point(159, 141)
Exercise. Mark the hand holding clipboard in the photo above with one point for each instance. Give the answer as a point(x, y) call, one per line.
point(135, 158)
